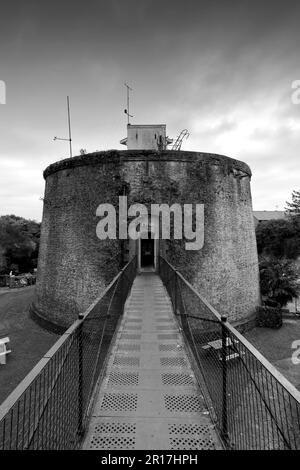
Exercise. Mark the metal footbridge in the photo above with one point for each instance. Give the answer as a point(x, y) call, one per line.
point(149, 398)
point(151, 365)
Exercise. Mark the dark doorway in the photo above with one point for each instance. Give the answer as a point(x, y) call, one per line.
point(147, 252)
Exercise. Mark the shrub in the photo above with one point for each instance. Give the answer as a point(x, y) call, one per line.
point(269, 317)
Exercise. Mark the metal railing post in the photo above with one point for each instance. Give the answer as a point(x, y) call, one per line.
point(175, 294)
point(224, 379)
point(80, 430)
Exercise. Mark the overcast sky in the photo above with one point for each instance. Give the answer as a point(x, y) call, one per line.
point(222, 69)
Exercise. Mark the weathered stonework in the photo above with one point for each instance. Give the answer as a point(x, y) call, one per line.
point(74, 265)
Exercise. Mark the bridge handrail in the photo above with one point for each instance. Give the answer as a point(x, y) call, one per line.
point(66, 372)
point(288, 385)
point(249, 371)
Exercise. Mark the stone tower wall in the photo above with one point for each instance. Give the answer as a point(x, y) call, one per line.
point(74, 265)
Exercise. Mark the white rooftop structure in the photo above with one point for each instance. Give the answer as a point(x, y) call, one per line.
point(146, 137)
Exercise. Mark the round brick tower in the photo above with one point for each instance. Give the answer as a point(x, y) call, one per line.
point(75, 265)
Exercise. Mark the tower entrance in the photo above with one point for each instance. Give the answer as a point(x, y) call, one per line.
point(147, 252)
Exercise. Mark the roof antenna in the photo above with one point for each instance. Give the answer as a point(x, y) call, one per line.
point(69, 126)
point(126, 111)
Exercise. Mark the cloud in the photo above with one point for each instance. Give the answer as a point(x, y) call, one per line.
point(221, 69)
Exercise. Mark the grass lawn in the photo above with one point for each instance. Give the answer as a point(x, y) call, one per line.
point(276, 346)
point(28, 341)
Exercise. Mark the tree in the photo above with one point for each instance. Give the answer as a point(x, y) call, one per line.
point(293, 208)
point(279, 280)
point(279, 238)
point(19, 243)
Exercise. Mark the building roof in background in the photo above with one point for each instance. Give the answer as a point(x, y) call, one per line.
point(269, 215)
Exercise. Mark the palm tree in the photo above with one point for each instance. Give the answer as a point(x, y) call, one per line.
point(278, 280)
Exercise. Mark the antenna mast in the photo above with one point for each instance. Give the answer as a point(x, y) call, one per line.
point(126, 111)
point(69, 127)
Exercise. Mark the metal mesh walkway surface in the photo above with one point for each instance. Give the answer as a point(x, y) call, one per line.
point(149, 398)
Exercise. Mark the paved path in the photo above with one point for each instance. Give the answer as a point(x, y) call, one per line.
point(149, 398)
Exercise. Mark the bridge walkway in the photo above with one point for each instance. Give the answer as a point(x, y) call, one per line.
point(149, 398)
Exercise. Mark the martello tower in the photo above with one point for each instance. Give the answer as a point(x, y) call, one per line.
point(75, 265)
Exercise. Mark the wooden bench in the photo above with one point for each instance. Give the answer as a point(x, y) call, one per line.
point(3, 349)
